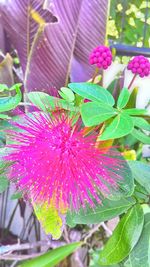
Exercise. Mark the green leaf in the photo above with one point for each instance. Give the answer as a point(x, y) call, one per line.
point(94, 260)
point(53, 257)
point(78, 100)
point(145, 139)
point(124, 237)
point(46, 102)
point(3, 184)
point(41, 100)
point(17, 85)
point(141, 173)
point(92, 92)
point(3, 87)
point(140, 193)
point(140, 189)
point(108, 210)
point(4, 117)
point(123, 98)
point(8, 103)
point(111, 86)
point(67, 94)
point(141, 123)
point(130, 140)
point(140, 255)
point(125, 185)
point(132, 100)
point(94, 113)
point(3, 164)
point(120, 126)
point(136, 111)
point(16, 196)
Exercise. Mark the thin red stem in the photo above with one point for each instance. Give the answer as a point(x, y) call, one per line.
point(132, 81)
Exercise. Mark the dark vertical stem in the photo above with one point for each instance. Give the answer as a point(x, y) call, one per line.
point(31, 225)
point(5, 207)
point(37, 231)
point(2, 210)
point(22, 235)
point(12, 216)
point(2, 216)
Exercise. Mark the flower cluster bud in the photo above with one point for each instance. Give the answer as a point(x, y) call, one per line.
point(139, 65)
point(101, 56)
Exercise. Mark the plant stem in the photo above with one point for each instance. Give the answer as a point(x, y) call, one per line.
point(95, 74)
point(132, 81)
point(102, 78)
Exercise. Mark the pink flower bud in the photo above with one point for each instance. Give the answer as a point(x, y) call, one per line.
point(139, 65)
point(102, 57)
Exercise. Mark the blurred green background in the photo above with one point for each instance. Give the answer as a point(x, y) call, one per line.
point(129, 22)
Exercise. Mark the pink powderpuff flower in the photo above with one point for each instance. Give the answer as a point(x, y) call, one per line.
point(53, 161)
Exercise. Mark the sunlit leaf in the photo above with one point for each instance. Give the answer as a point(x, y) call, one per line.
point(51, 220)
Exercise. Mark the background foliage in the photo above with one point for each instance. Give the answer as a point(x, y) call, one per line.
point(129, 22)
